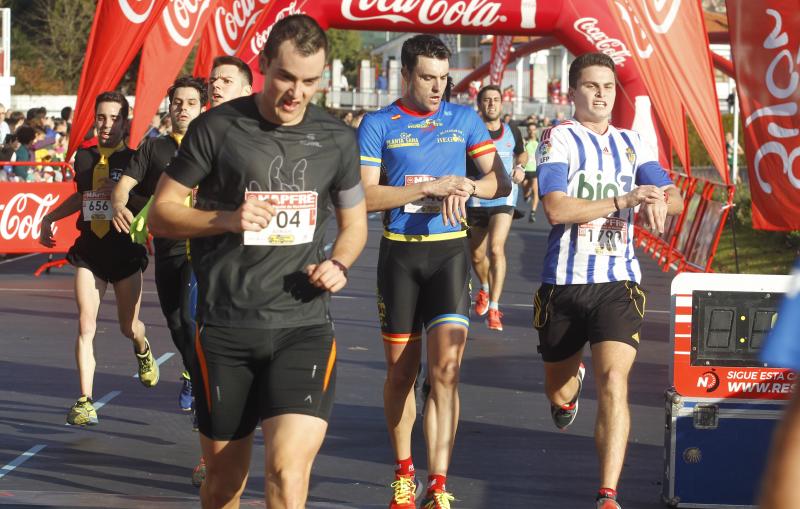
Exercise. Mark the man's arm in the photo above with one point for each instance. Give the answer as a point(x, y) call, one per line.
point(170, 218)
point(381, 197)
point(119, 203)
point(495, 181)
point(563, 209)
point(350, 241)
point(781, 488)
point(68, 207)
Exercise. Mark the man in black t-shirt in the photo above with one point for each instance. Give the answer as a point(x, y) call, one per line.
point(100, 254)
point(271, 169)
point(187, 95)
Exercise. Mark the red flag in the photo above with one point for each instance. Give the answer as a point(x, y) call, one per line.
point(676, 44)
point(118, 31)
point(164, 52)
point(256, 36)
point(501, 50)
point(764, 40)
point(225, 32)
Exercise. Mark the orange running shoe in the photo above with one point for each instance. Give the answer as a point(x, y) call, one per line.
point(404, 496)
point(493, 320)
point(481, 303)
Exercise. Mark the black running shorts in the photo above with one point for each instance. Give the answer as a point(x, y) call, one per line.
point(422, 284)
point(244, 376)
point(567, 316)
point(480, 216)
point(110, 261)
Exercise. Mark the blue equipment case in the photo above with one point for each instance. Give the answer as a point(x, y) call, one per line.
point(716, 450)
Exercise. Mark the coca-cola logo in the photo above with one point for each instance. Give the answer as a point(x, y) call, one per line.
point(466, 13)
point(500, 58)
point(613, 47)
point(661, 14)
point(231, 24)
point(182, 18)
point(260, 38)
point(17, 222)
point(782, 80)
point(137, 11)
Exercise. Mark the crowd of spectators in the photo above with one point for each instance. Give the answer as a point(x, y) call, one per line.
point(34, 137)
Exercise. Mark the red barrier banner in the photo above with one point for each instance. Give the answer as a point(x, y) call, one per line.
point(501, 50)
point(118, 31)
point(163, 54)
point(22, 207)
point(224, 33)
point(764, 39)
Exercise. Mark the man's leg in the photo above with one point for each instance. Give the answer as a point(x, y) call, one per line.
point(291, 442)
point(89, 291)
point(445, 349)
point(399, 404)
point(612, 363)
point(561, 379)
point(128, 293)
point(227, 465)
point(499, 226)
point(478, 242)
point(535, 200)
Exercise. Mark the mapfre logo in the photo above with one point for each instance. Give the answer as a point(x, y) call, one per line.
point(466, 13)
point(182, 19)
point(231, 23)
point(137, 11)
point(708, 380)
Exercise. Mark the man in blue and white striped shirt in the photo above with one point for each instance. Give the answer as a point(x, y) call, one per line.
point(591, 177)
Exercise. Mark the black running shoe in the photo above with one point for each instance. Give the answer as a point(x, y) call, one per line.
point(564, 415)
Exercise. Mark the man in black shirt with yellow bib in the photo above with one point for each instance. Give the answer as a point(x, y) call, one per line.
point(271, 168)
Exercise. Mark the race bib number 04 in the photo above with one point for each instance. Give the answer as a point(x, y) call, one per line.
point(606, 236)
point(97, 205)
point(425, 205)
point(294, 222)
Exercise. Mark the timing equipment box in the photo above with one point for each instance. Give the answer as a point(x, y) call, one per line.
point(724, 402)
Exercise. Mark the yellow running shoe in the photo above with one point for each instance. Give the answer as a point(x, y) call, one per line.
point(148, 369)
point(437, 500)
point(404, 488)
point(82, 413)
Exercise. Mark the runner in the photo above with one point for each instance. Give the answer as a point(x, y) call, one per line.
point(100, 254)
point(265, 344)
point(413, 165)
point(591, 176)
point(230, 78)
point(490, 220)
point(187, 95)
point(530, 185)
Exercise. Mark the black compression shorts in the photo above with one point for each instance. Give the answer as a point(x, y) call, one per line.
point(246, 375)
point(110, 261)
point(567, 316)
point(422, 284)
point(480, 216)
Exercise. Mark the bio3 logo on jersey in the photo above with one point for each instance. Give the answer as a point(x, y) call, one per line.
point(466, 13)
point(232, 22)
point(137, 11)
point(599, 190)
point(182, 18)
point(404, 140)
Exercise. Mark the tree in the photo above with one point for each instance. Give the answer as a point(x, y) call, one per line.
point(346, 45)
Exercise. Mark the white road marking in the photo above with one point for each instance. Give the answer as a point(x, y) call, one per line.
point(159, 361)
point(19, 460)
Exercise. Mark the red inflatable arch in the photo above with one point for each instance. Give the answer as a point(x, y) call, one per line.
point(580, 25)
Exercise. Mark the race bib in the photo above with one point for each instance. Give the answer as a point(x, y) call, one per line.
point(97, 205)
point(606, 236)
point(294, 221)
point(425, 205)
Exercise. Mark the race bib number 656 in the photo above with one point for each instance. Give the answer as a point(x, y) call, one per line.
point(294, 222)
point(97, 205)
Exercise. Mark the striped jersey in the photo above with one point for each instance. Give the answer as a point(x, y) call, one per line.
point(583, 164)
point(408, 147)
point(505, 143)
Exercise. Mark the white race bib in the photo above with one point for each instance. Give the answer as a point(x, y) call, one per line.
point(294, 222)
point(97, 205)
point(425, 205)
point(606, 236)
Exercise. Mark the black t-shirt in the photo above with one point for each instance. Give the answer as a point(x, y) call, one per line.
point(85, 161)
point(146, 167)
point(519, 147)
point(231, 149)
